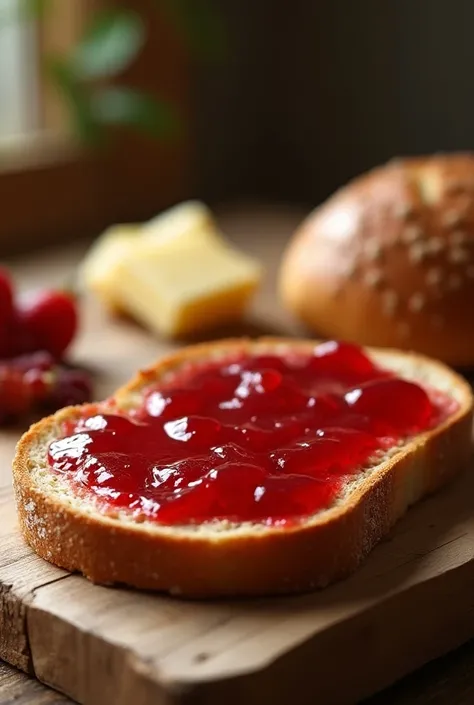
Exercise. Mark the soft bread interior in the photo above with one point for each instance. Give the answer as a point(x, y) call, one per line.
point(416, 368)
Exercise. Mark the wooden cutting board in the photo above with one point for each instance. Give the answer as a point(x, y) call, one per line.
point(411, 601)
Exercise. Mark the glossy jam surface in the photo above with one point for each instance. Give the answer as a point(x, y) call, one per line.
point(262, 438)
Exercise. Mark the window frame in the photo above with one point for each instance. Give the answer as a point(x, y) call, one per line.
point(52, 188)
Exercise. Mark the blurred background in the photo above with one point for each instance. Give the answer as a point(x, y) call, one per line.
point(111, 111)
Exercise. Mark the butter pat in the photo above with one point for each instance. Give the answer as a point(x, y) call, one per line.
point(186, 223)
point(179, 291)
point(175, 274)
point(98, 272)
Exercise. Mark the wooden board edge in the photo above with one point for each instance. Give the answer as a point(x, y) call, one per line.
point(14, 645)
point(70, 665)
point(14, 637)
point(338, 670)
point(441, 626)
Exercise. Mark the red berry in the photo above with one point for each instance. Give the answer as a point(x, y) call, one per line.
point(6, 295)
point(15, 395)
point(51, 318)
point(32, 384)
point(39, 383)
point(19, 339)
point(4, 341)
point(6, 311)
point(70, 386)
point(39, 360)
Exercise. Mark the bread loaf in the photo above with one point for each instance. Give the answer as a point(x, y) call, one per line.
point(389, 260)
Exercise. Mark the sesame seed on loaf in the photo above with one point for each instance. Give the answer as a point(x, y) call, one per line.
point(222, 558)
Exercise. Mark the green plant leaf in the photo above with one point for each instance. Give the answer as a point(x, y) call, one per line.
point(200, 23)
point(109, 45)
point(77, 100)
point(131, 108)
point(34, 8)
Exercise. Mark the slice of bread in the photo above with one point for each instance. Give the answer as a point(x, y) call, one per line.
point(221, 558)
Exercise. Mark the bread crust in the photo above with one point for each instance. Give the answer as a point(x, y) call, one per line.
point(236, 562)
point(388, 260)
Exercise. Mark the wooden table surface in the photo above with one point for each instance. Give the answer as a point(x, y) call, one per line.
point(448, 681)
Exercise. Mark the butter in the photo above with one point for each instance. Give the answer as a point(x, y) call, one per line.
point(185, 222)
point(98, 272)
point(178, 291)
point(175, 274)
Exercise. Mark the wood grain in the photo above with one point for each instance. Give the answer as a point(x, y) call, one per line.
point(411, 601)
point(17, 689)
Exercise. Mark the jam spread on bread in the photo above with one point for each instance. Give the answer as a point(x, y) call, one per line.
point(261, 438)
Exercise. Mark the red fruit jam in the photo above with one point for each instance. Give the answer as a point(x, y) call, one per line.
point(261, 438)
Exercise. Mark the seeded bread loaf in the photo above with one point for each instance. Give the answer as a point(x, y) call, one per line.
point(389, 260)
point(221, 558)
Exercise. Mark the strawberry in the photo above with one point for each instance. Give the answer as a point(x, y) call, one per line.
point(50, 318)
point(6, 311)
